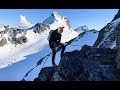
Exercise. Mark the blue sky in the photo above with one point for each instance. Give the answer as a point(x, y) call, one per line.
point(93, 18)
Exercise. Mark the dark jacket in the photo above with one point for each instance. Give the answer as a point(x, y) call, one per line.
point(55, 39)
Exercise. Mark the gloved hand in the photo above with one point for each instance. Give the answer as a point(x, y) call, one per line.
point(54, 44)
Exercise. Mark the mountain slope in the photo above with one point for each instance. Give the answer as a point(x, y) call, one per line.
point(109, 36)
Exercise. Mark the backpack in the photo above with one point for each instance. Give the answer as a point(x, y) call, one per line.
point(49, 34)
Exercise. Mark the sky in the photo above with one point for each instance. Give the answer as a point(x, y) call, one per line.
point(93, 18)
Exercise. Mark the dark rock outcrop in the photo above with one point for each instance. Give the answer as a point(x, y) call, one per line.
point(88, 64)
point(40, 27)
point(3, 42)
point(21, 40)
point(45, 74)
point(117, 60)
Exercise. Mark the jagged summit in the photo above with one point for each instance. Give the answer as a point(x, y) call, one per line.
point(55, 14)
point(52, 18)
point(81, 29)
point(57, 19)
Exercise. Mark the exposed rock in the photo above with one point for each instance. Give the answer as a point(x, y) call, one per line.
point(109, 36)
point(88, 64)
point(3, 42)
point(21, 40)
point(45, 74)
point(40, 27)
point(13, 36)
point(117, 60)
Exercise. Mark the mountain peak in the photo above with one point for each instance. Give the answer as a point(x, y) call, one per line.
point(55, 13)
point(55, 20)
point(83, 28)
point(52, 18)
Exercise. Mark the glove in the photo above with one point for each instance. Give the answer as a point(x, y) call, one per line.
point(54, 44)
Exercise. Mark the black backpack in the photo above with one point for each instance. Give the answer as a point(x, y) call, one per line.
point(51, 31)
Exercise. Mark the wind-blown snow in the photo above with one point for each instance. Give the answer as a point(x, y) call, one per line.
point(24, 22)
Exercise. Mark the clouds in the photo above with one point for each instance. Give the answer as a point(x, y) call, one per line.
point(24, 22)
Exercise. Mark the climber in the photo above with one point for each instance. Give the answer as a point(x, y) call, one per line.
point(54, 43)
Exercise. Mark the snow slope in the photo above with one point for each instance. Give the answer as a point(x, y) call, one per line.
point(87, 39)
point(11, 54)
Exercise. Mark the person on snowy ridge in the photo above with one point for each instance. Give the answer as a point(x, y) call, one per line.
point(54, 39)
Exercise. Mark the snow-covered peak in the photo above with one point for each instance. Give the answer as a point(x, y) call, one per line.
point(24, 23)
point(56, 15)
point(81, 29)
point(2, 29)
point(52, 18)
point(55, 20)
